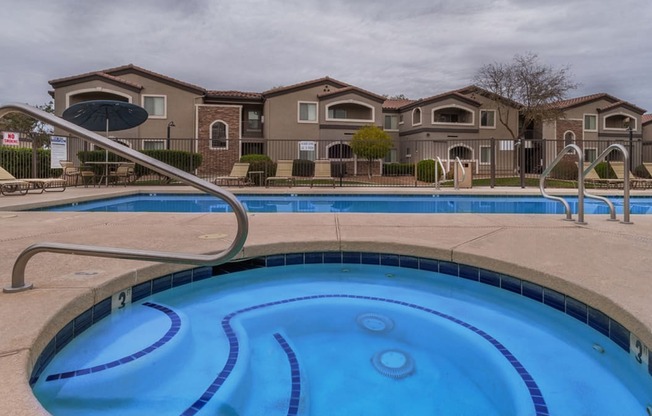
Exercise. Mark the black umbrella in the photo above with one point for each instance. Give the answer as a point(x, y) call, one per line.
point(105, 115)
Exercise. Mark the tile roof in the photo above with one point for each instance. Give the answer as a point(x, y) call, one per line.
point(306, 84)
point(621, 103)
point(391, 104)
point(647, 118)
point(234, 94)
point(573, 102)
point(351, 88)
point(114, 75)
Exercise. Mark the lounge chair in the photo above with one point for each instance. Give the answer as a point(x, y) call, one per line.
point(283, 173)
point(594, 179)
point(13, 187)
point(322, 173)
point(238, 176)
point(37, 184)
point(634, 181)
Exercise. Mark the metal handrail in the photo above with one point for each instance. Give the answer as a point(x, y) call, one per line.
point(580, 183)
point(443, 170)
point(455, 180)
point(18, 274)
point(612, 209)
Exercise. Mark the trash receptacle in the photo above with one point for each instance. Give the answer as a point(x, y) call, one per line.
point(338, 169)
point(466, 181)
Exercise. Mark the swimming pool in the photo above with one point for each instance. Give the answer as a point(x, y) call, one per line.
point(423, 204)
point(347, 338)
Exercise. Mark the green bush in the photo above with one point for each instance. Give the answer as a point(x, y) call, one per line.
point(398, 169)
point(426, 171)
point(18, 162)
point(642, 172)
point(303, 167)
point(260, 163)
point(566, 169)
point(604, 171)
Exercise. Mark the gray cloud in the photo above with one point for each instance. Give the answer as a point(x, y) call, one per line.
point(417, 48)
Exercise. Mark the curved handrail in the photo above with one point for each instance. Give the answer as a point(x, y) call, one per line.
point(580, 183)
point(612, 209)
point(443, 170)
point(455, 180)
point(18, 273)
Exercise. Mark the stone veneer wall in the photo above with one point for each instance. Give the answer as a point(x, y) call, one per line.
point(218, 162)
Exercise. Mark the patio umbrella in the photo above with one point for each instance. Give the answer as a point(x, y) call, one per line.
point(105, 115)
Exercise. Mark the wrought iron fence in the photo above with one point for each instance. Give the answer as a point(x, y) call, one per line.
point(490, 162)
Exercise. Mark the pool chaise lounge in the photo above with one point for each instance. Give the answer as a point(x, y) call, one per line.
point(322, 173)
point(35, 184)
point(238, 176)
point(283, 173)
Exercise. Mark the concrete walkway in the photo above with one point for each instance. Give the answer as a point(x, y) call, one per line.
point(604, 264)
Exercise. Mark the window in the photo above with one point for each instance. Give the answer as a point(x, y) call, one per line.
point(400, 119)
point(485, 155)
point(349, 110)
point(337, 113)
point(488, 118)
point(391, 122)
point(307, 150)
point(253, 120)
point(416, 116)
point(452, 115)
point(153, 145)
point(569, 138)
point(219, 135)
point(590, 154)
point(155, 106)
point(307, 112)
point(590, 122)
point(619, 122)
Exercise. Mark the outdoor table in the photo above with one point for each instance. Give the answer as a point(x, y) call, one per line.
point(105, 176)
point(258, 173)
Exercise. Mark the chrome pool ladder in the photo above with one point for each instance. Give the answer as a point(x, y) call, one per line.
point(18, 273)
point(581, 188)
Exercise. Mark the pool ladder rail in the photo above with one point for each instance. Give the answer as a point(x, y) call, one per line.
point(18, 283)
point(581, 188)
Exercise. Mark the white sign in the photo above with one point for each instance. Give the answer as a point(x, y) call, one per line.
point(307, 146)
point(10, 139)
point(58, 151)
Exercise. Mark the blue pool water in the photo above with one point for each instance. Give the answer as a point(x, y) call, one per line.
point(341, 339)
point(353, 203)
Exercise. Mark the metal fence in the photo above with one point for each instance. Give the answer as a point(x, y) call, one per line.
point(491, 162)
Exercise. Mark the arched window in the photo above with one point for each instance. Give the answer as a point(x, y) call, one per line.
point(219, 135)
point(569, 138)
point(340, 151)
point(416, 116)
point(463, 152)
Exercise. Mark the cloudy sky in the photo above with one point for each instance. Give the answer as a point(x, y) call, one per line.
point(417, 48)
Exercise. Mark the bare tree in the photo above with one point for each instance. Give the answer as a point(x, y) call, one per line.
point(526, 88)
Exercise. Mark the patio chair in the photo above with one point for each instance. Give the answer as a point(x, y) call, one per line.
point(238, 176)
point(70, 171)
point(283, 173)
point(13, 187)
point(322, 173)
point(124, 173)
point(37, 184)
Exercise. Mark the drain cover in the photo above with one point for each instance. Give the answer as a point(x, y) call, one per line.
point(374, 322)
point(393, 363)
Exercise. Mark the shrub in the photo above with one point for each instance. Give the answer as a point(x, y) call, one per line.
point(18, 162)
point(303, 167)
point(398, 169)
point(642, 172)
point(566, 169)
point(426, 171)
point(604, 171)
point(260, 163)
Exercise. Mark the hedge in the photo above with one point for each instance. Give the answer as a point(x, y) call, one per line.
point(426, 171)
point(180, 159)
point(18, 162)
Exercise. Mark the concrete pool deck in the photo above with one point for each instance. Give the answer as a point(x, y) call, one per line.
point(603, 264)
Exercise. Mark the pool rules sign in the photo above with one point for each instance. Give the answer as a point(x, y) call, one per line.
point(10, 138)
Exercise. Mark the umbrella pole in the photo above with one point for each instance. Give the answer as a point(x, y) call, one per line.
point(106, 156)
